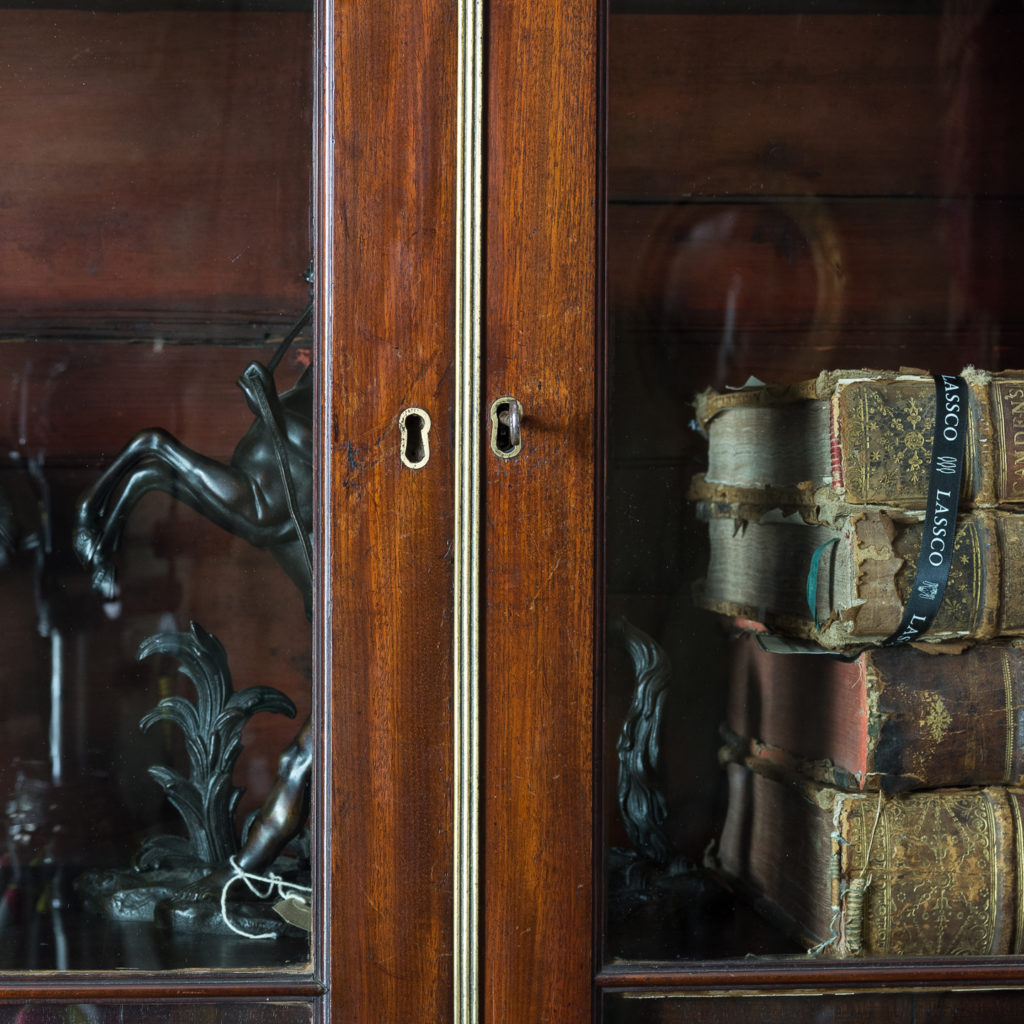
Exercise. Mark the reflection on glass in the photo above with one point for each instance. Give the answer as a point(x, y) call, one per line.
point(789, 191)
point(154, 236)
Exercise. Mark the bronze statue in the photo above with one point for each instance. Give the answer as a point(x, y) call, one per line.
point(265, 496)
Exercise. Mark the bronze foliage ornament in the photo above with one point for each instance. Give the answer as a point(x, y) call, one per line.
point(212, 727)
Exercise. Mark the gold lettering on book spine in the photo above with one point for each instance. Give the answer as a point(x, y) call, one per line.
point(1008, 439)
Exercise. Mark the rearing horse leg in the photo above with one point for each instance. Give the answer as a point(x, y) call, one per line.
point(91, 508)
point(154, 460)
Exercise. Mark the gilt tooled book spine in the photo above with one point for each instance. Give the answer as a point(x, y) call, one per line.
point(759, 569)
point(929, 873)
point(984, 596)
point(935, 873)
point(893, 719)
point(882, 438)
point(881, 430)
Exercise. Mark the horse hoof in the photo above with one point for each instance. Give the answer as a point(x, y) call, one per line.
point(104, 582)
point(85, 543)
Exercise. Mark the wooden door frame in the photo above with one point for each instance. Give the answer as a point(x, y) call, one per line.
point(461, 675)
point(392, 205)
point(387, 236)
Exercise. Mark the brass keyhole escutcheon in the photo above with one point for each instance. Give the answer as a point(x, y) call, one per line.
point(414, 424)
point(506, 427)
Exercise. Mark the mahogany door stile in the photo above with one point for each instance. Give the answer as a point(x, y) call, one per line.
point(538, 613)
point(390, 247)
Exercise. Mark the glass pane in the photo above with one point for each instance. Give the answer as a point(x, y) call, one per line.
point(136, 1013)
point(809, 187)
point(154, 240)
point(849, 1008)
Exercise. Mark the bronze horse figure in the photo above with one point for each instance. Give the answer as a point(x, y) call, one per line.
point(253, 497)
point(263, 495)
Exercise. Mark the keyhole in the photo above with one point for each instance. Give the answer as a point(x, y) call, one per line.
point(415, 426)
point(506, 434)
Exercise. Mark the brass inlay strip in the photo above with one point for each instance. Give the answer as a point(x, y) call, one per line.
point(324, 375)
point(467, 452)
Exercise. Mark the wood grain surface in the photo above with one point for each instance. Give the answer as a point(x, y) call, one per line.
point(156, 169)
point(539, 617)
point(799, 104)
point(389, 234)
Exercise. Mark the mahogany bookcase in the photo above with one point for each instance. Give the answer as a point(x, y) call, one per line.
point(586, 214)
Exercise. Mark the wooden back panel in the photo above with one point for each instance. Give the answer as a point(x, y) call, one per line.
point(156, 177)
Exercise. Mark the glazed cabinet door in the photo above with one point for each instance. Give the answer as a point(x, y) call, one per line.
point(463, 255)
point(681, 197)
point(553, 226)
point(162, 495)
point(809, 211)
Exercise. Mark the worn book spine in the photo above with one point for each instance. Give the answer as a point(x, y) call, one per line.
point(759, 569)
point(893, 719)
point(930, 873)
point(881, 428)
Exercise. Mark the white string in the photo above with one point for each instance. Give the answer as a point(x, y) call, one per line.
point(285, 890)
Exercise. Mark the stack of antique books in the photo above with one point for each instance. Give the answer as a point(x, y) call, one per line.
point(875, 765)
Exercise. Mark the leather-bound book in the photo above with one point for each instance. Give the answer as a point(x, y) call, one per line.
point(925, 873)
point(858, 437)
point(892, 718)
point(859, 571)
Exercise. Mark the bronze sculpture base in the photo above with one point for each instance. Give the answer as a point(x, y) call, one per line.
point(184, 900)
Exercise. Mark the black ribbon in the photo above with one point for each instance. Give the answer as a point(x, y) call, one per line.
point(947, 469)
